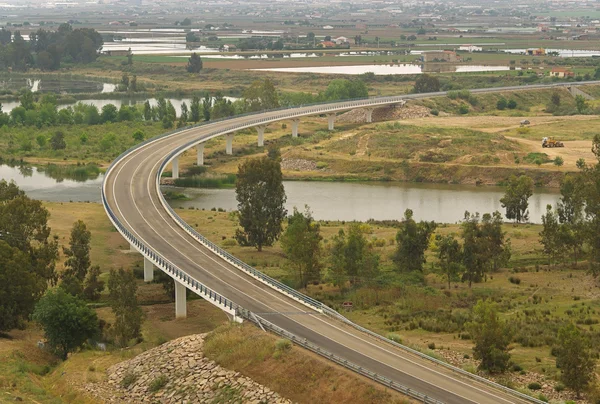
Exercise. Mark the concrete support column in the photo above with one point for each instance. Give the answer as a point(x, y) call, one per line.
point(200, 154)
point(261, 134)
point(175, 168)
point(180, 301)
point(132, 248)
point(369, 114)
point(295, 123)
point(148, 270)
point(229, 146)
point(330, 121)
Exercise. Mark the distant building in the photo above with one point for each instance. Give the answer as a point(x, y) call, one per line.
point(328, 44)
point(228, 48)
point(118, 52)
point(561, 73)
point(536, 52)
point(470, 48)
point(439, 56)
point(327, 27)
point(342, 40)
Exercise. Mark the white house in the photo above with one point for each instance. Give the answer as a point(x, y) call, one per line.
point(470, 48)
point(327, 27)
point(342, 40)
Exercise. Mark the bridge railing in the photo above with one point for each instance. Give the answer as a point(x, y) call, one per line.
point(228, 305)
point(303, 342)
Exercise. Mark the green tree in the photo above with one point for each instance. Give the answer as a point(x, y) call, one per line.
point(491, 337)
point(497, 248)
point(345, 89)
point(123, 302)
point(17, 287)
point(352, 257)
point(450, 256)
point(516, 198)
point(138, 136)
point(474, 249)
point(591, 197)
point(92, 285)
point(261, 198)
point(206, 106)
point(575, 358)
point(412, 241)
point(109, 113)
point(426, 84)
point(550, 235)
point(260, 95)
point(195, 109)
point(581, 104)
point(67, 321)
point(501, 104)
point(41, 141)
point(194, 63)
point(78, 262)
point(301, 243)
point(148, 111)
point(57, 141)
point(24, 225)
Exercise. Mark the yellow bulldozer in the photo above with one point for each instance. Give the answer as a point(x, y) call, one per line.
point(551, 142)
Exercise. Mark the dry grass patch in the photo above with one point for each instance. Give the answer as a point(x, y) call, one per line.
point(294, 373)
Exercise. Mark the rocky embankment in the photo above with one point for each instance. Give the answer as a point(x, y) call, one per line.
point(389, 113)
point(177, 372)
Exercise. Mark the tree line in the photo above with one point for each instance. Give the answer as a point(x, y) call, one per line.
point(481, 248)
point(48, 50)
point(32, 288)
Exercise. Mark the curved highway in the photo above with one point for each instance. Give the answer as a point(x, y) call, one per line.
point(132, 198)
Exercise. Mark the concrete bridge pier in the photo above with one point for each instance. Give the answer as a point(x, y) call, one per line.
point(175, 168)
point(295, 124)
point(148, 270)
point(132, 248)
point(369, 114)
point(229, 146)
point(180, 300)
point(200, 154)
point(261, 134)
point(331, 121)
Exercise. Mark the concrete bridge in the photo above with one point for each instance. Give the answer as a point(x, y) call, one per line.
point(135, 205)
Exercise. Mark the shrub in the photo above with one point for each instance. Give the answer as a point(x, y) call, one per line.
point(158, 383)
point(463, 109)
point(395, 337)
point(283, 345)
point(229, 243)
point(501, 104)
point(534, 386)
point(435, 112)
point(559, 387)
point(515, 280)
point(516, 368)
point(512, 104)
point(128, 379)
point(321, 165)
point(558, 161)
point(431, 345)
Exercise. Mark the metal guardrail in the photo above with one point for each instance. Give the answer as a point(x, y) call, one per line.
point(266, 325)
point(298, 296)
point(234, 309)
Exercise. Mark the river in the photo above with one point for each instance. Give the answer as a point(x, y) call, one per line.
point(327, 200)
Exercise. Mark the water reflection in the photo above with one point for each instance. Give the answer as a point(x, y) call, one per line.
point(380, 201)
point(55, 183)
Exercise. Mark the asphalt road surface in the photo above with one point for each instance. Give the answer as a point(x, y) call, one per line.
point(132, 195)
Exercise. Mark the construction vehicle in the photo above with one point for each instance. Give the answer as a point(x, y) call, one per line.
point(551, 142)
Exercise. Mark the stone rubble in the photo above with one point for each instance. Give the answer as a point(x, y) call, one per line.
point(190, 378)
point(389, 113)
